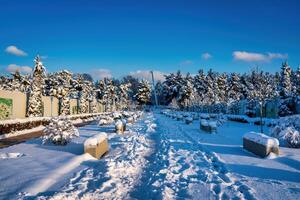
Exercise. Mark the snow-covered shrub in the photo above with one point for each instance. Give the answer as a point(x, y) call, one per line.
point(287, 131)
point(60, 131)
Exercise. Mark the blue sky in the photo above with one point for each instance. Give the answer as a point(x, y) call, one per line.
point(121, 37)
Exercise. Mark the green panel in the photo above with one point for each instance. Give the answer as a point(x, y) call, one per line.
point(6, 107)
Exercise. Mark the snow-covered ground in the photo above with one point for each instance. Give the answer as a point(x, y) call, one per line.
point(157, 158)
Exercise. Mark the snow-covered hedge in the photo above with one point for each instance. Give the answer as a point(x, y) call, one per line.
point(60, 131)
point(287, 131)
point(14, 125)
point(238, 118)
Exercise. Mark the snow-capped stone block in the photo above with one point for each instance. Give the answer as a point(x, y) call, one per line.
point(96, 145)
point(188, 120)
point(120, 126)
point(204, 116)
point(260, 144)
point(195, 117)
point(179, 117)
point(208, 126)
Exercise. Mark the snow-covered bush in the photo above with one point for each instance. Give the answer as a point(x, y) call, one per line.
point(60, 131)
point(287, 131)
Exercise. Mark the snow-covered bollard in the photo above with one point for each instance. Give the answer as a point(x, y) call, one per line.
point(213, 126)
point(208, 126)
point(60, 131)
point(188, 120)
point(195, 117)
point(97, 145)
point(260, 144)
point(120, 126)
point(179, 117)
point(204, 125)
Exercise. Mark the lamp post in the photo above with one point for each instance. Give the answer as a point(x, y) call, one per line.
point(156, 102)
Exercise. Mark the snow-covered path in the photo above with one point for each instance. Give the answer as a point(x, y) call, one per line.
point(182, 168)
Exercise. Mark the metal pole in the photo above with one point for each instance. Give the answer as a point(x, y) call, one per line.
point(156, 102)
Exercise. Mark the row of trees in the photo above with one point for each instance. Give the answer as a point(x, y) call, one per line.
point(64, 85)
point(210, 92)
point(221, 92)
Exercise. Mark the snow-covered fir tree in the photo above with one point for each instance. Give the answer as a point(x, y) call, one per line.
point(123, 94)
point(84, 97)
point(143, 95)
point(63, 90)
point(200, 85)
point(35, 104)
point(159, 87)
point(234, 88)
point(211, 94)
point(286, 106)
point(185, 92)
point(93, 100)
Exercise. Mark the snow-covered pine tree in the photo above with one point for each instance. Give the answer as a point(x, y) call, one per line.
point(285, 91)
point(16, 81)
point(84, 97)
point(5, 83)
point(124, 89)
point(63, 90)
point(234, 88)
point(159, 87)
point(285, 83)
point(93, 100)
point(211, 97)
point(111, 95)
point(296, 82)
point(143, 95)
point(200, 86)
point(221, 92)
point(185, 91)
point(35, 104)
point(234, 93)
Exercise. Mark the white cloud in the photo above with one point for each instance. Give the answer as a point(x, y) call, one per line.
point(21, 69)
point(100, 74)
point(250, 56)
point(277, 56)
point(206, 56)
point(15, 51)
point(145, 74)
